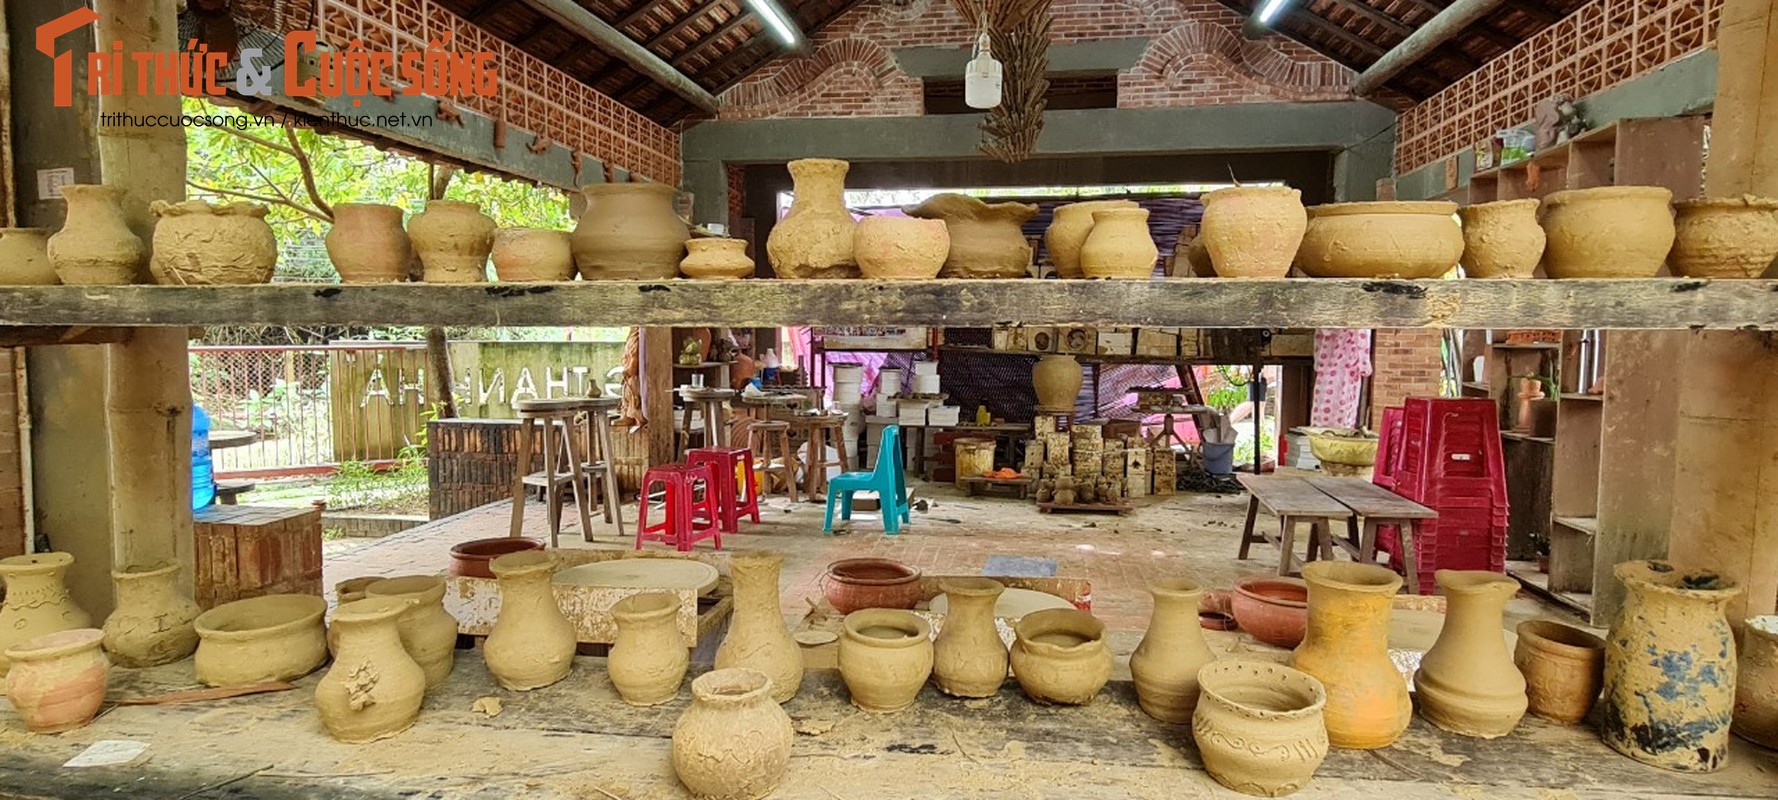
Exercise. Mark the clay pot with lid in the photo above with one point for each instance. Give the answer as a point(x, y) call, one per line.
point(275, 637)
point(37, 600)
point(987, 239)
point(1501, 239)
point(1724, 237)
point(1563, 668)
point(1059, 656)
point(1467, 683)
point(57, 681)
point(1394, 239)
point(152, 622)
point(197, 243)
point(969, 658)
point(629, 232)
point(815, 239)
point(470, 559)
point(900, 248)
point(1272, 610)
point(1756, 685)
point(367, 243)
point(1260, 726)
point(1608, 232)
point(854, 583)
point(374, 688)
point(1252, 231)
point(532, 254)
point(532, 643)
point(1068, 231)
point(1346, 647)
point(24, 258)
point(885, 657)
point(648, 658)
point(1165, 665)
point(428, 631)
point(757, 637)
point(733, 743)
point(1119, 246)
point(716, 259)
point(453, 239)
point(95, 245)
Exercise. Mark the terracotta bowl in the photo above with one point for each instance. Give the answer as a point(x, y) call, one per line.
point(1273, 610)
point(854, 583)
point(470, 559)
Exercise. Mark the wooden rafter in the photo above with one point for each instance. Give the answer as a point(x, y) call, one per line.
point(638, 14)
point(1309, 20)
point(486, 9)
point(1369, 12)
point(1428, 6)
point(1535, 10)
point(713, 36)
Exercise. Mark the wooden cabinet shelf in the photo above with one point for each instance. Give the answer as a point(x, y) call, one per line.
point(1586, 525)
point(1526, 437)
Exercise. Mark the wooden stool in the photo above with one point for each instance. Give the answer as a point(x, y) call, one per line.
point(712, 406)
point(557, 417)
point(597, 450)
point(762, 439)
point(818, 430)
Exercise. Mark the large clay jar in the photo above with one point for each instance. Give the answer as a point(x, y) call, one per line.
point(716, 259)
point(900, 248)
point(733, 743)
point(1381, 240)
point(1563, 668)
point(24, 258)
point(95, 245)
point(1670, 668)
point(1119, 246)
point(275, 637)
point(1057, 380)
point(1068, 231)
point(968, 657)
point(1059, 656)
point(37, 601)
point(757, 637)
point(1607, 232)
point(367, 243)
point(428, 631)
point(629, 232)
point(374, 688)
point(1467, 682)
point(1259, 726)
point(453, 240)
point(200, 244)
point(1756, 687)
point(987, 240)
point(1501, 239)
point(1725, 237)
point(1252, 231)
point(814, 240)
point(532, 254)
point(648, 658)
point(1347, 649)
point(1165, 665)
point(532, 644)
point(1272, 610)
point(885, 657)
point(57, 681)
point(152, 623)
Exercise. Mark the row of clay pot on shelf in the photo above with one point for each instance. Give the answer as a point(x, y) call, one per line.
point(194, 243)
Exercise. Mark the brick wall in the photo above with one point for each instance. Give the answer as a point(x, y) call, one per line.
point(12, 481)
point(1405, 364)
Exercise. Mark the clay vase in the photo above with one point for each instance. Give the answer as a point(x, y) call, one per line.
point(96, 246)
point(453, 240)
point(1057, 381)
point(1272, 610)
point(886, 655)
point(200, 244)
point(648, 659)
point(274, 637)
point(757, 637)
point(900, 248)
point(1467, 682)
point(1068, 232)
point(629, 232)
point(1607, 232)
point(1724, 237)
point(1501, 239)
point(532, 254)
point(1756, 687)
point(1347, 649)
point(1119, 246)
point(1252, 231)
point(987, 239)
point(1563, 668)
point(1670, 668)
point(428, 631)
point(152, 623)
point(532, 643)
point(968, 658)
point(1381, 240)
point(733, 743)
point(37, 602)
point(57, 681)
point(716, 259)
point(1259, 726)
point(374, 688)
point(367, 243)
point(814, 240)
point(1059, 656)
point(1165, 665)
point(24, 258)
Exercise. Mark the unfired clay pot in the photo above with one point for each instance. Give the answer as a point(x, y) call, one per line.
point(1381, 240)
point(200, 244)
point(814, 240)
point(374, 688)
point(1563, 668)
point(532, 254)
point(757, 638)
point(470, 559)
point(854, 583)
point(1252, 231)
point(1059, 656)
point(275, 637)
point(733, 743)
point(1501, 239)
point(1197, 259)
point(1259, 727)
point(95, 246)
point(1068, 232)
point(353, 588)
point(1057, 381)
point(900, 248)
point(1467, 682)
point(1119, 246)
point(968, 658)
point(885, 657)
point(57, 681)
point(453, 240)
point(630, 232)
point(24, 258)
point(1165, 665)
point(37, 602)
point(367, 243)
point(1607, 232)
point(648, 659)
point(1272, 610)
point(152, 623)
point(1725, 237)
point(1347, 649)
point(713, 259)
point(987, 240)
point(1756, 687)
point(532, 644)
point(428, 631)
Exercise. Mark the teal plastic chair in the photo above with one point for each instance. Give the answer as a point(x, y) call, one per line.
point(887, 480)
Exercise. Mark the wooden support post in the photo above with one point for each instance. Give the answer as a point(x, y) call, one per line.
point(657, 392)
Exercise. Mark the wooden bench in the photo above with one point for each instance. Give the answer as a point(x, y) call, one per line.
point(1375, 506)
point(1292, 500)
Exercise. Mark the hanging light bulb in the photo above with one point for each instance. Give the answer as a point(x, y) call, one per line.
point(981, 79)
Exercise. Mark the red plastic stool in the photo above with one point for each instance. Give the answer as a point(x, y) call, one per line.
point(688, 518)
point(733, 469)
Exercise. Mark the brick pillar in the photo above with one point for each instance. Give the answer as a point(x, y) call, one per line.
point(12, 474)
point(1406, 363)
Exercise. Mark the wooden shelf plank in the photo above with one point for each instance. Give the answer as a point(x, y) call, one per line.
point(1474, 386)
point(1588, 398)
point(1586, 525)
point(1526, 346)
point(1526, 437)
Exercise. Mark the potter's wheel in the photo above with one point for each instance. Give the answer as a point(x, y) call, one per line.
point(1013, 603)
point(643, 573)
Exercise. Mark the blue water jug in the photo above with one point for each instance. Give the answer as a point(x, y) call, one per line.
point(203, 477)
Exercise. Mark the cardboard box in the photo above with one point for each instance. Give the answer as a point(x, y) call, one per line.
point(1162, 342)
point(1116, 341)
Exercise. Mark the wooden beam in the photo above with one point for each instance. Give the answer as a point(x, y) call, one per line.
point(576, 18)
point(740, 54)
point(1449, 24)
point(1536, 10)
point(635, 16)
point(713, 36)
point(1309, 20)
point(657, 393)
point(698, 13)
point(38, 336)
point(485, 9)
point(1369, 12)
point(1429, 6)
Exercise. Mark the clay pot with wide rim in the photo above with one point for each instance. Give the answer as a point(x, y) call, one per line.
point(1563, 667)
point(1467, 682)
point(1059, 656)
point(1381, 240)
point(968, 657)
point(814, 240)
point(197, 243)
point(854, 583)
point(1056, 380)
point(532, 643)
point(648, 658)
point(95, 245)
point(374, 688)
point(1260, 726)
point(629, 232)
point(532, 254)
point(274, 637)
point(57, 681)
point(900, 248)
point(1119, 246)
point(1165, 665)
point(1068, 231)
point(152, 623)
point(1724, 237)
point(716, 259)
point(1346, 647)
point(428, 631)
point(987, 239)
point(37, 600)
point(733, 743)
point(1756, 685)
point(353, 588)
point(1608, 232)
point(885, 657)
point(24, 258)
point(367, 243)
point(757, 637)
point(453, 240)
point(470, 559)
point(1272, 610)
point(1252, 231)
point(1501, 239)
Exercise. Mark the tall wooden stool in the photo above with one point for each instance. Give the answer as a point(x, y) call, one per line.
point(711, 404)
point(765, 437)
point(557, 417)
point(599, 464)
point(819, 431)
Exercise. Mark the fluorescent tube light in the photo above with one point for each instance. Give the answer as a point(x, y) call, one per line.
point(777, 21)
point(1271, 10)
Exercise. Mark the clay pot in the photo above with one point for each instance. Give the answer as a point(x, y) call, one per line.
point(987, 239)
point(1501, 239)
point(1057, 381)
point(648, 659)
point(353, 588)
point(733, 743)
point(1467, 682)
point(1119, 246)
point(814, 240)
point(1259, 726)
point(968, 658)
point(152, 623)
point(714, 259)
point(1059, 656)
point(1756, 687)
point(900, 248)
point(629, 232)
point(757, 638)
point(200, 244)
point(1165, 665)
point(24, 258)
point(374, 688)
point(470, 559)
point(1608, 232)
point(1068, 231)
point(532, 254)
point(1197, 257)
point(37, 602)
point(532, 643)
point(854, 583)
point(1563, 669)
point(1670, 668)
point(1272, 610)
point(885, 657)
point(1252, 231)
point(453, 240)
point(275, 637)
point(428, 631)
point(95, 245)
point(367, 243)
point(1725, 237)
point(57, 681)
point(1347, 649)
point(1381, 240)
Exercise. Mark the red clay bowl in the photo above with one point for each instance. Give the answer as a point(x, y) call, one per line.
point(854, 583)
point(470, 559)
point(1273, 610)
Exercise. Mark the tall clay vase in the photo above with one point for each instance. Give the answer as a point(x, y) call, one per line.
point(374, 688)
point(428, 631)
point(987, 239)
point(716, 259)
point(1059, 656)
point(96, 246)
point(1068, 231)
point(1670, 668)
point(1165, 665)
point(733, 743)
point(1253, 231)
point(1756, 688)
point(814, 240)
point(57, 681)
point(1467, 682)
point(1057, 380)
point(1259, 726)
point(532, 254)
point(1607, 232)
point(1724, 237)
point(886, 655)
point(968, 657)
point(900, 248)
point(1563, 668)
point(532, 643)
point(453, 240)
point(367, 243)
point(1347, 649)
point(37, 601)
point(197, 243)
point(757, 637)
point(629, 231)
point(1501, 239)
point(1119, 246)
point(648, 659)
point(24, 258)
point(152, 623)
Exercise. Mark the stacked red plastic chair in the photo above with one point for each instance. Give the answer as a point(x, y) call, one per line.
point(1446, 455)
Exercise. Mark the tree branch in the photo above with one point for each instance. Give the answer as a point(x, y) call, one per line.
point(308, 172)
point(271, 201)
point(267, 143)
point(269, 184)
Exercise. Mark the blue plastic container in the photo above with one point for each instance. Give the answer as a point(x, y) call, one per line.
point(203, 477)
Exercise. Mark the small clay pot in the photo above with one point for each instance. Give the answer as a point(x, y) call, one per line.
point(716, 259)
point(37, 599)
point(1563, 668)
point(1501, 239)
point(24, 258)
point(57, 681)
point(969, 658)
point(277, 637)
point(367, 243)
point(1260, 727)
point(987, 239)
point(1608, 232)
point(200, 244)
point(733, 743)
point(1467, 683)
point(1725, 237)
point(374, 688)
point(1272, 610)
point(851, 584)
point(470, 559)
point(1252, 231)
point(152, 623)
point(428, 631)
point(95, 245)
point(630, 231)
point(453, 239)
point(1381, 240)
point(815, 238)
point(1059, 656)
point(1068, 231)
point(1119, 246)
point(353, 588)
point(1756, 683)
point(532, 254)
point(900, 248)
point(532, 643)
point(648, 659)
point(885, 657)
